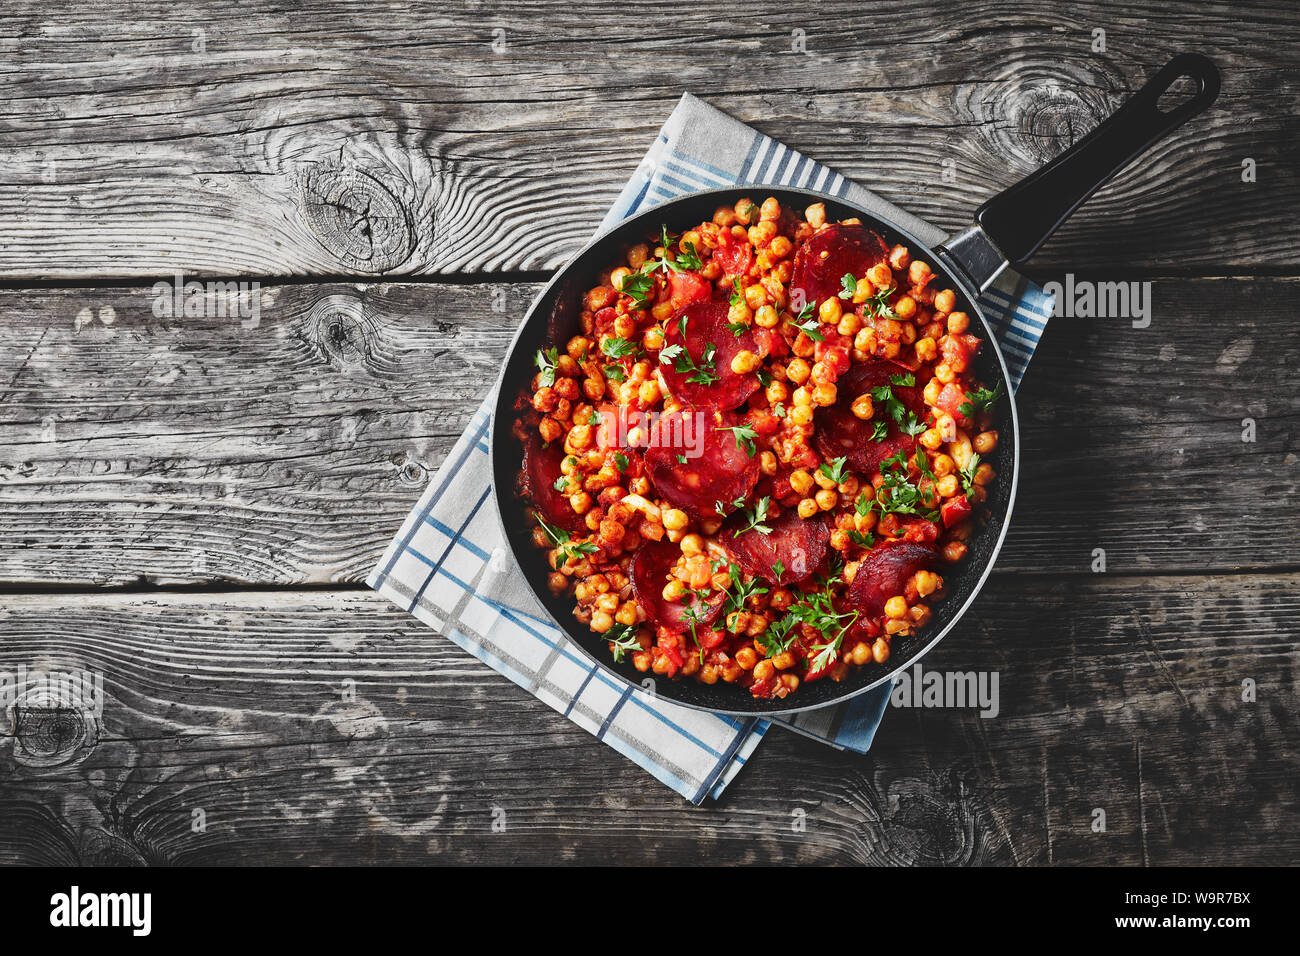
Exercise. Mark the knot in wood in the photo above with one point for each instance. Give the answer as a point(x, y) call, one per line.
point(51, 732)
point(339, 325)
point(928, 823)
point(1041, 117)
point(357, 218)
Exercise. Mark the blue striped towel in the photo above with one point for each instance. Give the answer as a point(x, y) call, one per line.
point(450, 567)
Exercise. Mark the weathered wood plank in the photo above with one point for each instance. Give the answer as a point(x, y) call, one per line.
point(196, 450)
point(462, 138)
point(1120, 694)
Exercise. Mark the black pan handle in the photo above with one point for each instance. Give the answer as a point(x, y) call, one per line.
point(1021, 218)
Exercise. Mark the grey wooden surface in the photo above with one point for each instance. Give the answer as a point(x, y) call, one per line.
point(189, 506)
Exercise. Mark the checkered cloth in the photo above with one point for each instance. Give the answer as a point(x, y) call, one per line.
point(449, 565)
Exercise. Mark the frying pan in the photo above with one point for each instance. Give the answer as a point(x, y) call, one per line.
point(1008, 229)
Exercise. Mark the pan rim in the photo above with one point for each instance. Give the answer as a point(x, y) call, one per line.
point(949, 273)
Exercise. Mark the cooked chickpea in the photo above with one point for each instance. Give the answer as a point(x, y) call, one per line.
point(816, 215)
point(764, 670)
point(840, 540)
point(831, 311)
point(692, 544)
point(801, 415)
point(860, 654)
point(765, 317)
point(849, 325)
point(745, 362)
point(601, 621)
point(880, 650)
point(958, 322)
point(674, 519)
point(824, 395)
point(826, 499)
point(985, 442)
point(984, 474)
point(798, 371)
point(807, 508)
point(945, 301)
point(954, 551)
point(863, 407)
point(896, 607)
point(926, 349)
point(801, 481)
point(747, 657)
point(943, 373)
point(905, 308)
point(780, 248)
point(767, 463)
point(947, 486)
point(880, 276)
point(942, 464)
point(918, 272)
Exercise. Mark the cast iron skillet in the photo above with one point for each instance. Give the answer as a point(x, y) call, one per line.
point(1009, 228)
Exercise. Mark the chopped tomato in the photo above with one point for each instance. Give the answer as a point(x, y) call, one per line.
point(736, 256)
point(958, 350)
point(951, 398)
point(686, 288)
point(955, 510)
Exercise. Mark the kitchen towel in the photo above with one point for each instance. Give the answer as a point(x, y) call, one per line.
point(450, 567)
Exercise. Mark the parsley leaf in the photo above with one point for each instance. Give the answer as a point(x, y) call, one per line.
point(740, 590)
point(620, 461)
point(980, 399)
point(624, 639)
point(566, 547)
point(638, 286)
point(809, 328)
point(546, 362)
point(754, 518)
point(561, 483)
point(615, 373)
point(967, 475)
point(744, 436)
point(617, 348)
point(835, 470)
point(850, 286)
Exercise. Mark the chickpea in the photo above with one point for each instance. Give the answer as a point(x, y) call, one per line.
point(958, 322)
point(781, 599)
point(942, 464)
point(850, 325)
point(767, 463)
point(607, 602)
point(674, 519)
point(783, 661)
point(801, 415)
point(893, 628)
point(926, 349)
point(801, 481)
point(830, 311)
point(880, 276)
point(984, 475)
point(905, 308)
point(896, 607)
point(770, 210)
point(662, 311)
point(580, 502)
point(865, 341)
point(840, 540)
point(947, 486)
point(777, 392)
point(880, 650)
point(798, 371)
point(765, 317)
point(780, 247)
point(927, 582)
point(619, 276)
point(826, 499)
point(762, 233)
point(863, 407)
point(708, 674)
point(764, 670)
point(747, 657)
point(943, 373)
point(954, 551)
point(756, 297)
point(824, 395)
point(918, 272)
point(601, 622)
point(692, 544)
point(945, 301)
point(985, 442)
point(674, 591)
point(745, 362)
point(807, 508)
point(815, 215)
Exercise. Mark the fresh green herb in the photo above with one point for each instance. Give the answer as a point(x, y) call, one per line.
point(835, 470)
point(815, 609)
point(906, 380)
point(624, 639)
point(968, 475)
point(617, 348)
point(809, 328)
point(754, 518)
point(980, 399)
point(546, 362)
point(913, 426)
point(594, 418)
point(861, 539)
point(681, 459)
point(615, 373)
point(897, 495)
point(740, 590)
point(738, 296)
point(567, 548)
point(778, 569)
point(878, 305)
point(704, 373)
point(850, 286)
point(894, 408)
point(744, 436)
point(638, 286)
point(688, 258)
point(737, 328)
point(779, 410)
point(561, 483)
point(879, 430)
point(620, 461)
point(764, 377)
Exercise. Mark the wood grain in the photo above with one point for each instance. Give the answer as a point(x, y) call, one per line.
point(407, 139)
point(1115, 693)
point(136, 450)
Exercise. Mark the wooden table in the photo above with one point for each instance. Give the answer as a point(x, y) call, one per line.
point(189, 505)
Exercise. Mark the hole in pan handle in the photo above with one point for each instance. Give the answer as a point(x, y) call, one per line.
point(1021, 218)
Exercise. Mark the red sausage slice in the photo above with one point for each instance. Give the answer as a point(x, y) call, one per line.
point(650, 567)
point(541, 471)
point(706, 325)
point(694, 461)
point(823, 261)
point(884, 573)
point(840, 433)
point(799, 545)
